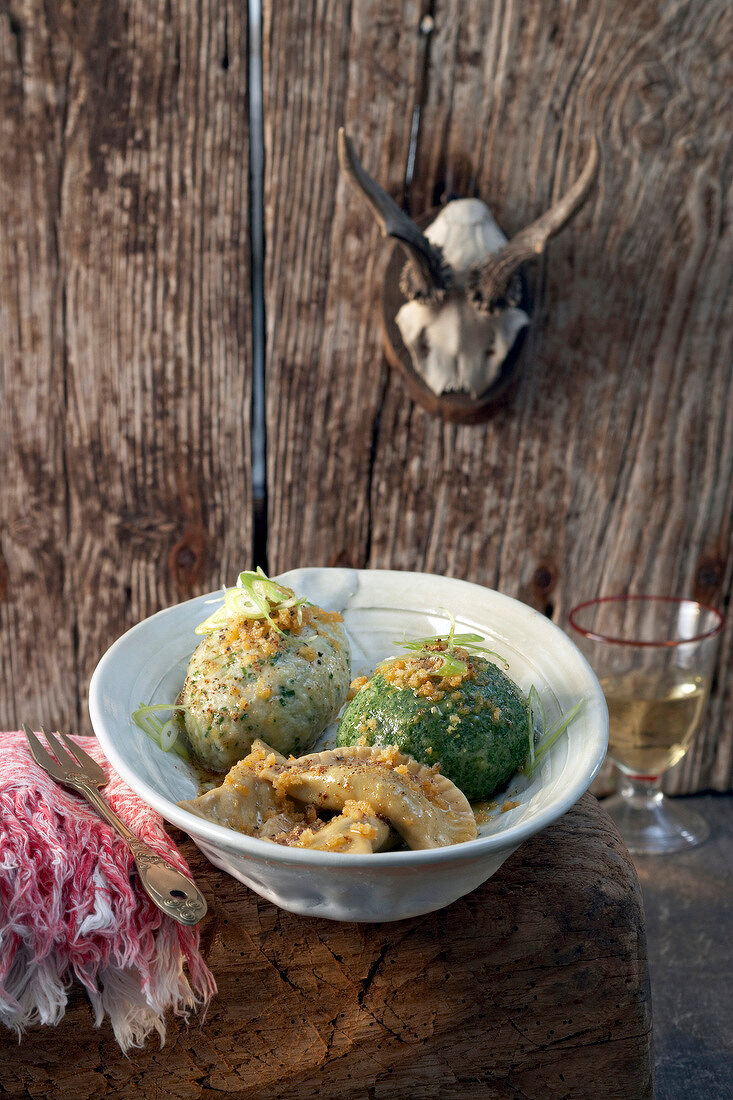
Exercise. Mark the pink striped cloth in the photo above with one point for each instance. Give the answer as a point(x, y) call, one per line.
point(70, 908)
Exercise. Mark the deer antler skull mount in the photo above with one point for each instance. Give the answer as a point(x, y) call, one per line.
point(459, 317)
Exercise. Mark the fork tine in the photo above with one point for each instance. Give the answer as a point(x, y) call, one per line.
point(95, 770)
point(65, 760)
point(39, 754)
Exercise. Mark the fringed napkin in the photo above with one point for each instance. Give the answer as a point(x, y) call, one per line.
point(71, 907)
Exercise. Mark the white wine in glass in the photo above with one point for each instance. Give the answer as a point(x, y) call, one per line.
point(654, 657)
point(652, 719)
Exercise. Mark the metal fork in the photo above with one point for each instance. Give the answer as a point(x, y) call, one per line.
point(172, 891)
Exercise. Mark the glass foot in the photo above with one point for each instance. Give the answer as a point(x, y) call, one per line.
point(651, 824)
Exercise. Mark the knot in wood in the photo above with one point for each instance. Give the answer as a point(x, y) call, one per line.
point(543, 578)
point(708, 575)
point(187, 558)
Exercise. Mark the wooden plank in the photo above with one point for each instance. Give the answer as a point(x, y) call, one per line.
point(37, 658)
point(610, 468)
point(149, 291)
point(536, 984)
point(324, 65)
point(613, 469)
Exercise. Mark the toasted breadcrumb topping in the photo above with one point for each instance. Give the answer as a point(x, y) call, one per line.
point(421, 673)
point(356, 686)
point(483, 811)
point(284, 775)
point(306, 827)
point(261, 635)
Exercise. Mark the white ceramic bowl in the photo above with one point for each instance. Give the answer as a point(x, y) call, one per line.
point(148, 665)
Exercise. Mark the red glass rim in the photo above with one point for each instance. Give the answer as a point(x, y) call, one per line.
point(667, 643)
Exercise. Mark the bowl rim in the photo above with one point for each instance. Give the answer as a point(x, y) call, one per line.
point(262, 851)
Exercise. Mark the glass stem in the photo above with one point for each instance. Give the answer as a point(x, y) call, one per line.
point(640, 791)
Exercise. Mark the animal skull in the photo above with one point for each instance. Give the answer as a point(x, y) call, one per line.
point(461, 317)
point(454, 345)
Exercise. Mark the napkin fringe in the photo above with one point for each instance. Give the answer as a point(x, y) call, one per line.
point(32, 993)
point(69, 908)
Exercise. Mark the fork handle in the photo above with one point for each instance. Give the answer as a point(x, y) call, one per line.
point(169, 888)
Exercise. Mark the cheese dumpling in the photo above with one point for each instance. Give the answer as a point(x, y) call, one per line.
point(281, 678)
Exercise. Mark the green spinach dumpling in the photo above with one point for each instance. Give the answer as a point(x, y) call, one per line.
point(471, 720)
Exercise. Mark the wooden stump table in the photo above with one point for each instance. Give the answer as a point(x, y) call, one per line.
point(534, 985)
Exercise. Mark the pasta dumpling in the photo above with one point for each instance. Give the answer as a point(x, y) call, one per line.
point(376, 796)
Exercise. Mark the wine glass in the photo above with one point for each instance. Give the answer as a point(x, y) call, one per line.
point(654, 657)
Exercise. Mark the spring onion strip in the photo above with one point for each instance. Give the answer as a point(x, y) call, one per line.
point(536, 710)
point(451, 665)
point(165, 733)
point(254, 596)
point(547, 737)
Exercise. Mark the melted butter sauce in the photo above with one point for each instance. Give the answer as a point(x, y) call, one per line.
point(206, 779)
point(484, 811)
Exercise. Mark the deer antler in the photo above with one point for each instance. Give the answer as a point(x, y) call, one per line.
point(493, 277)
point(430, 273)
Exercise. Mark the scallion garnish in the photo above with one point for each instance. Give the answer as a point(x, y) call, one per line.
point(165, 733)
point(547, 738)
point(254, 596)
point(451, 665)
point(536, 712)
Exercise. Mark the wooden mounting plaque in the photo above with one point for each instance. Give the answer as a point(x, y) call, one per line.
point(536, 984)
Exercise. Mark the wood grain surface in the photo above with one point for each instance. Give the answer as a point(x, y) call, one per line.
point(124, 253)
point(125, 337)
point(325, 373)
point(611, 468)
point(536, 984)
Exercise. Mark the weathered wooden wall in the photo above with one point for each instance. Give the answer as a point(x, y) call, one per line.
point(611, 467)
point(124, 342)
point(125, 345)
